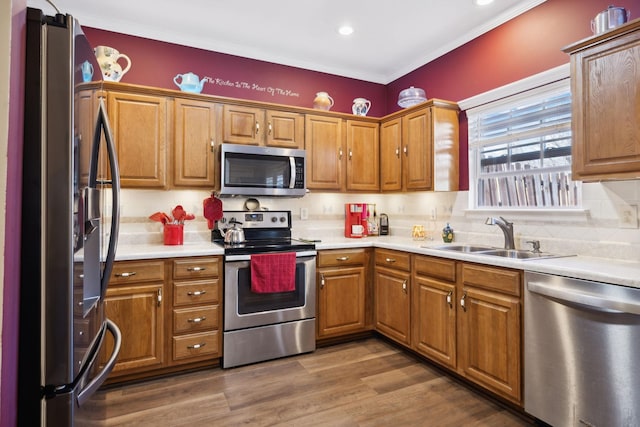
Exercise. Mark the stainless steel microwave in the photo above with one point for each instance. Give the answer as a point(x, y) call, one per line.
point(262, 171)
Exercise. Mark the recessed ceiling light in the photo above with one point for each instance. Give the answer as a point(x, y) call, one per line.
point(482, 2)
point(346, 30)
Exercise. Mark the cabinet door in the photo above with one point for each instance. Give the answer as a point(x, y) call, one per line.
point(363, 148)
point(490, 341)
point(390, 155)
point(434, 322)
point(137, 311)
point(341, 300)
point(139, 125)
point(241, 125)
point(392, 304)
point(193, 160)
point(417, 151)
point(325, 153)
point(606, 109)
point(284, 129)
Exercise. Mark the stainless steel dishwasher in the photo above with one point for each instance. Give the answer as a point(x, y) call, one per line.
point(581, 352)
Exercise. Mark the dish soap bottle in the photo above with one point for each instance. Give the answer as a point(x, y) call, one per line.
point(447, 234)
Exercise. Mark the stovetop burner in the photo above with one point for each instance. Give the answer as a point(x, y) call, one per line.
point(265, 231)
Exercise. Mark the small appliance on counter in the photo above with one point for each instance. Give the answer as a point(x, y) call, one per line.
point(384, 224)
point(360, 220)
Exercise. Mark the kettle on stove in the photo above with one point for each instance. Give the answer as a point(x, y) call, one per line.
point(235, 234)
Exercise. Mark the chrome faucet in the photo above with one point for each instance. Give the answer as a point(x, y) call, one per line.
point(507, 230)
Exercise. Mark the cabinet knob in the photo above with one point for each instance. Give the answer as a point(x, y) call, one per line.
point(449, 298)
point(404, 286)
point(321, 281)
point(462, 302)
point(257, 128)
point(390, 260)
point(269, 128)
point(406, 150)
point(340, 154)
point(342, 258)
point(398, 152)
point(159, 297)
point(197, 319)
point(350, 154)
point(196, 269)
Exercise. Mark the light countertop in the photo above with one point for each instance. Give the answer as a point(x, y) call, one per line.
point(606, 270)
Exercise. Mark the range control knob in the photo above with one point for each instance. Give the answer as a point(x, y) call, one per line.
point(283, 219)
point(274, 219)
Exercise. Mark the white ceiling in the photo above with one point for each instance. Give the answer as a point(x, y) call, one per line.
point(391, 38)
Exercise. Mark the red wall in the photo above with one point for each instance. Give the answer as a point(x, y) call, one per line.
point(156, 63)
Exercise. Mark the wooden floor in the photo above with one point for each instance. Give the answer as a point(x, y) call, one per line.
point(362, 383)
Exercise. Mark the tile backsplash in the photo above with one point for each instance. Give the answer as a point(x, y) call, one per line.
point(607, 226)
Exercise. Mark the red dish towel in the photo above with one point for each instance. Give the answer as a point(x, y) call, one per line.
point(272, 273)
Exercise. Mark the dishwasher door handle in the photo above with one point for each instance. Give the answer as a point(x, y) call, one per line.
point(588, 299)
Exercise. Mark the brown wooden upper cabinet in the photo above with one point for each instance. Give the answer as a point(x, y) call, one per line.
point(139, 125)
point(342, 155)
point(419, 149)
point(256, 126)
point(195, 133)
point(605, 84)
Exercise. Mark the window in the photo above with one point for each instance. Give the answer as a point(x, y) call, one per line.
point(520, 151)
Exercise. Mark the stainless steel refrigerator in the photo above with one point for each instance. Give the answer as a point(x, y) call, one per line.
point(70, 217)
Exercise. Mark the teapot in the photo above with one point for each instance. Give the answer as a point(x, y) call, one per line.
point(322, 101)
point(609, 19)
point(108, 60)
point(189, 82)
point(235, 234)
point(361, 106)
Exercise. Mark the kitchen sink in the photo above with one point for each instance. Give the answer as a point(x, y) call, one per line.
point(462, 248)
point(491, 251)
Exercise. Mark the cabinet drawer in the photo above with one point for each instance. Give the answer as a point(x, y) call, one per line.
point(195, 345)
point(341, 257)
point(195, 292)
point(137, 271)
point(492, 278)
point(444, 269)
point(195, 319)
point(393, 259)
point(193, 268)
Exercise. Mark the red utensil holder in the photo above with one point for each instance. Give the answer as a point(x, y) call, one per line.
point(173, 234)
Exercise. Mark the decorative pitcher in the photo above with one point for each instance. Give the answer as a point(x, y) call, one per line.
point(108, 59)
point(361, 106)
point(322, 101)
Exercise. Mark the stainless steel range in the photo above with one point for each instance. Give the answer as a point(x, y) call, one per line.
point(262, 325)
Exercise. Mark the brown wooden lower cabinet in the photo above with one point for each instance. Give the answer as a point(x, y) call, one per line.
point(134, 303)
point(466, 317)
point(342, 292)
point(433, 309)
point(169, 313)
point(392, 283)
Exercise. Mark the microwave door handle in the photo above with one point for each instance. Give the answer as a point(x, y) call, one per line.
point(292, 164)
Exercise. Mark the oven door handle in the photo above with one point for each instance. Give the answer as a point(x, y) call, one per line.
point(247, 257)
point(292, 165)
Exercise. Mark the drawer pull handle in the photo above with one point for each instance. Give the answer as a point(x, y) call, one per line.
point(462, 302)
point(449, 296)
point(197, 319)
point(404, 286)
point(196, 268)
point(126, 274)
point(196, 346)
point(392, 260)
point(342, 258)
point(196, 293)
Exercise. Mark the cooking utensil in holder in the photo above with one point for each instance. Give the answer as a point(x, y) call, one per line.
point(173, 234)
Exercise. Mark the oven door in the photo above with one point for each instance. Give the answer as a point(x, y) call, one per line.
point(246, 309)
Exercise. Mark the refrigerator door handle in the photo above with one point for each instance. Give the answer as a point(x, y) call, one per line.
point(97, 381)
point(102, 124)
